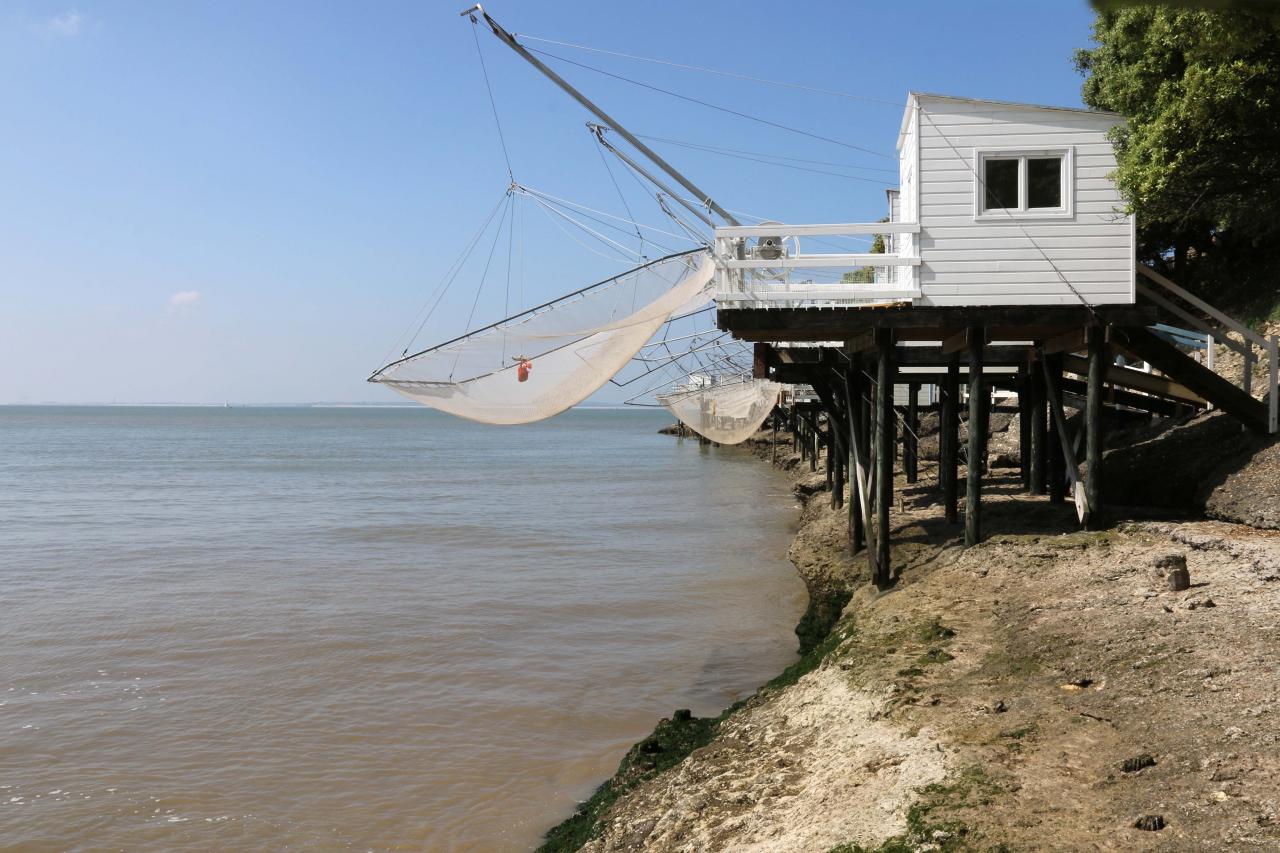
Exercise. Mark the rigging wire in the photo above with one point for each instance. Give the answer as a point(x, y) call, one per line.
point(451, 273)
point(484, 275)
point(972, 167)
point(548, 211)
point(621, 197)
point(702, 145)
point(582, 207)
point(493, 104)
point(726, 153)
point(799, 86)
point(710, 105)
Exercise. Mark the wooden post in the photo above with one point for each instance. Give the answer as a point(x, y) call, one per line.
point(829, 463)
point(1024, 430)
point(857, 454)
point(773, 446)
point(978, 403)
point(1093, 420)
point(815, 443)
point(949, 439)
point(910, 439)
point(1036, 434)
point(884, 453)
point(1057, 464)
point(837, 461)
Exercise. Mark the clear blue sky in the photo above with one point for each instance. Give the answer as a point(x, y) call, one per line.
point(208, 201)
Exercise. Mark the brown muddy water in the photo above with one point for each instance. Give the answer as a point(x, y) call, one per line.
point(364, 629)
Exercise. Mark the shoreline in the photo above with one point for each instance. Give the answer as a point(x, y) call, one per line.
point(829, 582)
point(993, 693)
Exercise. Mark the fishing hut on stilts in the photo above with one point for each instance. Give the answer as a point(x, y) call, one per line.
point(1004, 277)
point(1009, 269)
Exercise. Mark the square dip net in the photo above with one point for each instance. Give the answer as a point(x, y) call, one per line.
point(543, 361)
point(726, 410)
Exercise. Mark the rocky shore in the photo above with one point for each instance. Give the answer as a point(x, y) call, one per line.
point(1046, 689)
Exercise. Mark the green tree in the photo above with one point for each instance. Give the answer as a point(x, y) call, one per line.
point(866, 275)
point(1199, 157)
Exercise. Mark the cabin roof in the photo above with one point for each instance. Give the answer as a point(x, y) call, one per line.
point(914, 97)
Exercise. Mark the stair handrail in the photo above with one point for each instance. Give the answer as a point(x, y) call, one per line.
point(1269, 346)
point(1216, 331)
point(1232, 324)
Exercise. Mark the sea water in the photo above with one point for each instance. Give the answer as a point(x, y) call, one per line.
point(365, 629)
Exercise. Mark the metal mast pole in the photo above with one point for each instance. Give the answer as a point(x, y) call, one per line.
point(604, 117)
point(599, 130)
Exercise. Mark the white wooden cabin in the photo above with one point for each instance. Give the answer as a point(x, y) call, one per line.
point(998, 204)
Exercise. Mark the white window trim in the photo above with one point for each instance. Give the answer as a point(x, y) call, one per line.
point(1021, 212)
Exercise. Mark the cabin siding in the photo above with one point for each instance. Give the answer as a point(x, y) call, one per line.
point(972, 260)
point(907, 245)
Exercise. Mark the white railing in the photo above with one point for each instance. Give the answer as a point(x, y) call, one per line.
point(1219, 329)
point(753, 272)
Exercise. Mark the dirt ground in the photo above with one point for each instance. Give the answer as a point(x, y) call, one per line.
point(992, 697)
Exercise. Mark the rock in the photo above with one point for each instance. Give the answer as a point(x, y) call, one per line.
point(1172, 568)
point(1163, 564)
point(1150, 823)
point(999, 707)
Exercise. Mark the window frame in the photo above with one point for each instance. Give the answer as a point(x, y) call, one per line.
point(1022, 213)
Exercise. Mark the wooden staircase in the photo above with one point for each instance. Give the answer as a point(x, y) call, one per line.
point(1146, 345)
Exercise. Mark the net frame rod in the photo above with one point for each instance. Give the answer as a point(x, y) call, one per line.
point(510, 40)
point(534, 310)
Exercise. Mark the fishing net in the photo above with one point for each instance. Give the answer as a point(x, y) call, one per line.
point(727, 412)
point(539, 363)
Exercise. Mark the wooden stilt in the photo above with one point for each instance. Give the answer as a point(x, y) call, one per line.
point(884, 454)
point(949, 439)
point(1024, 430)
point(829, 464)
point(1057, 463)
point(1036, 451)
point(1093, 421)
point(978, 403)
point(815, 443)
point(857, 467)
point(910, 441)
point(838, 455)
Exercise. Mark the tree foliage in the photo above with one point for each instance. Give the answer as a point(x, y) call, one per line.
point(1199, 157)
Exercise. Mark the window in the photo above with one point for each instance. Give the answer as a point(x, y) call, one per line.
point(1022, 183)
point(1001, 180)
point(1044, 182)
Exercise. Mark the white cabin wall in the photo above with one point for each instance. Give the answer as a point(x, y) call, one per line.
point(968, 261)
point(908, 195)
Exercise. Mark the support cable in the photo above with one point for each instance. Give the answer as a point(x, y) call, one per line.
point(483, 276)
point(799, 86)
point(580, 208)
point(451, 273)
point(725, 153)
point(979, 183)
point(493, 104)
point(605, 162)
point(718, 107)
point(551, 212)
point(700, 146)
